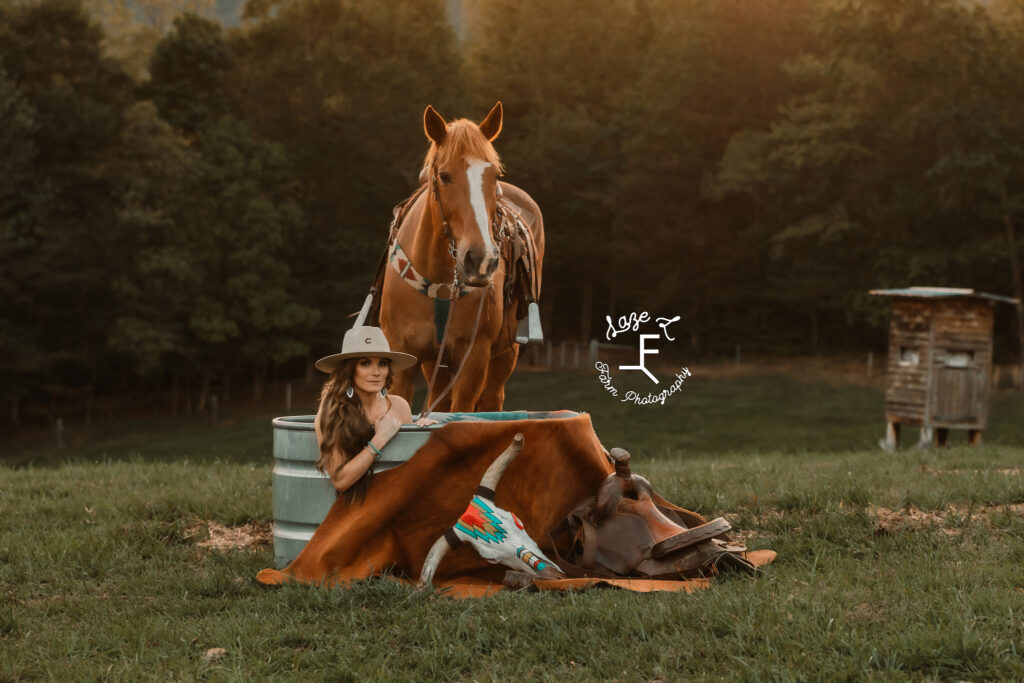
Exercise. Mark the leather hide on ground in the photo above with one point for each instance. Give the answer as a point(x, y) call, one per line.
point(408, 507)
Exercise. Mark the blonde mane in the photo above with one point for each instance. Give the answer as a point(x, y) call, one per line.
point(463, 140)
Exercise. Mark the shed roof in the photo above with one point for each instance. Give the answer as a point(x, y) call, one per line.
point(941, 293)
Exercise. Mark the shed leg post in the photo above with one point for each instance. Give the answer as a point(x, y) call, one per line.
point(974, 437)
point(892, 437)
point(925, 439)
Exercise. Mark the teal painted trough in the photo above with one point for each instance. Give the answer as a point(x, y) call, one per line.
point(303, 496)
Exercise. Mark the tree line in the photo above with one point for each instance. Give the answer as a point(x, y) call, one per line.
point(202, 213)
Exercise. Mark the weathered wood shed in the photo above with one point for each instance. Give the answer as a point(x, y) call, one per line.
point(940, 358)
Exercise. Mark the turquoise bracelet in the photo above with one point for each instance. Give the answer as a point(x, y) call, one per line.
point(376, 454)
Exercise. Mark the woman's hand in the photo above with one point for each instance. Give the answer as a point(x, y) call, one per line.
point(425, 422)
point(387, 426)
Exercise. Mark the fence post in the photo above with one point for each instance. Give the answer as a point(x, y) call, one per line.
point(60, 433)
point(576, 354)
point(288, 397)
point(871, 363)
point(593, 353)
point(561, 355)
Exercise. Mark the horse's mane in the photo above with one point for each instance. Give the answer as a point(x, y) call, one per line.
point(463, 140)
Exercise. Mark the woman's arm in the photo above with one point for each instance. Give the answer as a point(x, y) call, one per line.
point(348, 473)
point(344, 473)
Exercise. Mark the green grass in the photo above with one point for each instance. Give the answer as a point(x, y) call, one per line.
point(890, 566)
point(756, 412)
point(102, 579)
point(748, 413)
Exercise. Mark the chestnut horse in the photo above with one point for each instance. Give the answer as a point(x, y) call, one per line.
point(450, 259)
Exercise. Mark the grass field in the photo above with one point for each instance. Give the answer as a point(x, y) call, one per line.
point(905, 566)
point(793, 409)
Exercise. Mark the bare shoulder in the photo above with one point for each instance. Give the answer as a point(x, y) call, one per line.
point(401, 408)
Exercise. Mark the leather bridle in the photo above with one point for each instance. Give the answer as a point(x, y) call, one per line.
point(498, 231)
point(499, 238)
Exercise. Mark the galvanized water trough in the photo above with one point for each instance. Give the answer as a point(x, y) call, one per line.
point(303, 496)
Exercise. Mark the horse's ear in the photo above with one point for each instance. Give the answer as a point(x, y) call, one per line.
point(491, 125)
point(434, 125)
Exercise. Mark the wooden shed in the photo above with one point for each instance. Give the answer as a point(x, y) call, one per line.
point(940, 362)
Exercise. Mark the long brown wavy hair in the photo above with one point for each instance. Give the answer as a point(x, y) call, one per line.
point(344, 425)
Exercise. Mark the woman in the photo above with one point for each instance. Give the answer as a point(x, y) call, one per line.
point(357, 417)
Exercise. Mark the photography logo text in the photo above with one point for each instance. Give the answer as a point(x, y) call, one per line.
point(641, 325)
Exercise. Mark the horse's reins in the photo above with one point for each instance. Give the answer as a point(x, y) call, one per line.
point(456, 288)
point(446, 229)
point(440, 352)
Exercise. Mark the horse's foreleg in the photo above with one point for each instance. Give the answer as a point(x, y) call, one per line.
point(470, 384)
point(492, 398)
point(444, 376)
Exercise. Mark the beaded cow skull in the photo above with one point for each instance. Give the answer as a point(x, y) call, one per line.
point(496, 534)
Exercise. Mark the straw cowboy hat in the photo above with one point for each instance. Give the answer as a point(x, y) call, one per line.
point(366, 342)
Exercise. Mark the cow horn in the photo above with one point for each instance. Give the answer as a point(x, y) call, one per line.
point(434, 556)
point(497, 468)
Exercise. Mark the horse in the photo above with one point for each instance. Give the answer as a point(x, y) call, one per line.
point(449, 257)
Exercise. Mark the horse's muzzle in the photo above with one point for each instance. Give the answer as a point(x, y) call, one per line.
point(477, 268)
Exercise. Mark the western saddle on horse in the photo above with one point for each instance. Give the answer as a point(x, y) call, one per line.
point(518, 252)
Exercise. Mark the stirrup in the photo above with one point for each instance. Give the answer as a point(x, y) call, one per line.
point(690, 537)
point(529, 330)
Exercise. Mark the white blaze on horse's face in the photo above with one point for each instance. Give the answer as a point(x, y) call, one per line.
point(476, 266)
point(477, 199)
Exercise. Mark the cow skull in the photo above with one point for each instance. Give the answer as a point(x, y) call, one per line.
point(496, 534)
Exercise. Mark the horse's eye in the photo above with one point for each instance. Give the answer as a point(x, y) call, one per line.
point(445, 178)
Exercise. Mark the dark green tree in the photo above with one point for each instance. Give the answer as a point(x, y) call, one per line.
point(342, 85)
point(154, 294)
point(227, 246)
point(248, 309)
point(889, 169)
point(710, 70)
point(58, 245)
point(19, 206)
point(191, 74)
point(564, 72)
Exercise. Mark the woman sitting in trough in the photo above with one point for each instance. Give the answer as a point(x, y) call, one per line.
point(357, 417)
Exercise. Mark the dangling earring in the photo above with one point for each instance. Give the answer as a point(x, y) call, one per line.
point(349, 391)
point(383, 392)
